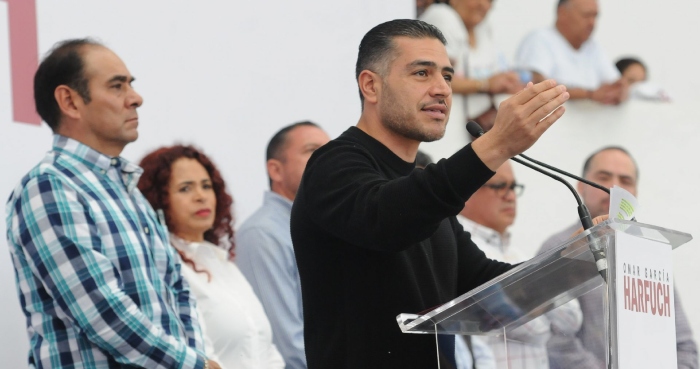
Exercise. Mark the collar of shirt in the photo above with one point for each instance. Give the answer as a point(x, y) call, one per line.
point(116, 168)
point(277, 200)
point(490, 236)
point(196, 250)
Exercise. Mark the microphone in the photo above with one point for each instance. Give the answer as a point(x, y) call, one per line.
point(474, 128)
point(584, 215)
point(583, 180)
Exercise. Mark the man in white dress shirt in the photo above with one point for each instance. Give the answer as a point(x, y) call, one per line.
point(487, 215)
point(567, 53)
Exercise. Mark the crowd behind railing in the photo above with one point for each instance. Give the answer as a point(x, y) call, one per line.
point(565, 51)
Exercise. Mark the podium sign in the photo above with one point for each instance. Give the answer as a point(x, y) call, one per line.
point(639, 329)
point(645, 327)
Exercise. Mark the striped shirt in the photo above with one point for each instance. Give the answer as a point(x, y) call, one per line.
point(97, 280)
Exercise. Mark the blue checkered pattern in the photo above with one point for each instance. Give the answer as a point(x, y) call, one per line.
point(97, 280)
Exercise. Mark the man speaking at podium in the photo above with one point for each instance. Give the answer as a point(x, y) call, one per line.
point(373, 238)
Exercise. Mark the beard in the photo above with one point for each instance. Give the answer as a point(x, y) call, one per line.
point(400, 119)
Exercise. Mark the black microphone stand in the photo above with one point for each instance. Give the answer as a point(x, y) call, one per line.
point(584, 215)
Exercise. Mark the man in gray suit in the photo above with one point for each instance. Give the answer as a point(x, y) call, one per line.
point(608, 166)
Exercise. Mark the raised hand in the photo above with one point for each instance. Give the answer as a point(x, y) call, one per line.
point(521, 121)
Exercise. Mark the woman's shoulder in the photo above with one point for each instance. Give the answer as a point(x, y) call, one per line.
point(216, 250)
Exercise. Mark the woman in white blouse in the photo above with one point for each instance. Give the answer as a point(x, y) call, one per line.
point(190, 197)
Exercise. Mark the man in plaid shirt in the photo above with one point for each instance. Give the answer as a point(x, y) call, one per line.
point(98, 282)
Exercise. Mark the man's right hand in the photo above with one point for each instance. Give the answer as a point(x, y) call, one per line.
point(611, 94)
point(213, 364)
point(520, 122)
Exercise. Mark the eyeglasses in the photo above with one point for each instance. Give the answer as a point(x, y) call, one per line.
point(502, 188)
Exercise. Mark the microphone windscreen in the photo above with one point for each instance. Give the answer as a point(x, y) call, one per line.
point(474, 129)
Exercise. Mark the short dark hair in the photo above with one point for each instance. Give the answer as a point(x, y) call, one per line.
point(625, 63)
point(64, 65)
point(589, 160)
point(279, 141)
point(377, 46)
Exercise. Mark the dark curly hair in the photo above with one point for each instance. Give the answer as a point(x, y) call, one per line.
point(154, 182)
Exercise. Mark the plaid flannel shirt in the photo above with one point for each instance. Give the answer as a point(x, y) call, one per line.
point(98, 282)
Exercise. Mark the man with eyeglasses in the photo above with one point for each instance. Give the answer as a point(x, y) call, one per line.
point(487, 215)
point(490, 211)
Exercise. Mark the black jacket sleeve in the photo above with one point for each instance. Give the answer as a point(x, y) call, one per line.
point(350, 195)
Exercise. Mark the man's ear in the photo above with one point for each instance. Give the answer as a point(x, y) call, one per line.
point(561, 11)
point(274, 170)
point(370, 85)
point(579, 187)
point(68, 101)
